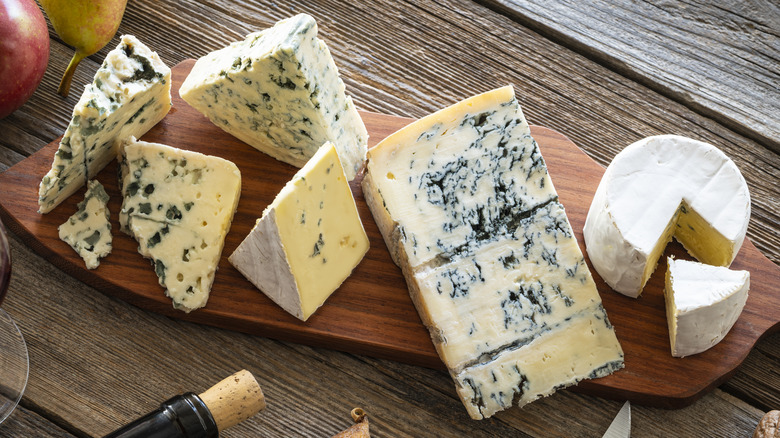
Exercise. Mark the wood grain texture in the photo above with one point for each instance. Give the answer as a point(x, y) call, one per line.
point(97, 362)
point(372, 313)
point(24, 422)
point(719, 58)
point(758, 379)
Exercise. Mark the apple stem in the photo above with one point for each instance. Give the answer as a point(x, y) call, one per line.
point(68, 76)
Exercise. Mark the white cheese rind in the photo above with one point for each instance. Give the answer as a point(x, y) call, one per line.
point(131, 92)
point(702, 304)
point(640, 200)
point(464, 202)
point(280, 92)
point(88, 231)
point(179, 206)
point(261, 258)
point(308, 240)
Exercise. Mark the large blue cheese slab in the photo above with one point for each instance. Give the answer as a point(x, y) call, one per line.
point(88, 231)
point(468, 211)
point(280, 92)
point(179, 206)
point(131, 92)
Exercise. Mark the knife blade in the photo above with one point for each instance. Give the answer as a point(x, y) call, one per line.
point(621, 425)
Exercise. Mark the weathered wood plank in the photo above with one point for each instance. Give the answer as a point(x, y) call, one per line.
point(718, 58)
point(24, 422)
point(757, 381)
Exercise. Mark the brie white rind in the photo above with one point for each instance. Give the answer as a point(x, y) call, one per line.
point(660, 187)
point(702, 304)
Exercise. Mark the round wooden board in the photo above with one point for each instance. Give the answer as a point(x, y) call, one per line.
point(372, 313)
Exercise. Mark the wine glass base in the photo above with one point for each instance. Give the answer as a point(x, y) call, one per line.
point(14, 365)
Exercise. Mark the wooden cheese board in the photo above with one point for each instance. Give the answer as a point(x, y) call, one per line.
point(371, 313)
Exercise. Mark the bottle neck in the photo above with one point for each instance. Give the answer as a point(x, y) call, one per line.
point(183, 416)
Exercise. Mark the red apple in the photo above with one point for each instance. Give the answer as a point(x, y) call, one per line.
point(24, 52)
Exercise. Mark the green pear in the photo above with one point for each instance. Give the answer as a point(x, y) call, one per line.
point(87, 25)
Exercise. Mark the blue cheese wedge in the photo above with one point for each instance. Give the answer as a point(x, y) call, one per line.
point(702, 304)
point(280, 92)
point(308, 240)
point(88, 231)
point(466, 207)
point(179, 206)
point(131, 92)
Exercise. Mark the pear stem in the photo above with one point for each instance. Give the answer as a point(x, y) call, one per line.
point(68, 76)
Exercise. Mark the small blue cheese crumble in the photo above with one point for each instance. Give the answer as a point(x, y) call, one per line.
point(88, 231)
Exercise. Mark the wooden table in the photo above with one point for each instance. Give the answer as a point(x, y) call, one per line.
point(604, 74)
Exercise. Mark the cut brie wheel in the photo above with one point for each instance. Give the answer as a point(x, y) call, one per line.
point(702, 304)
point(661, 187)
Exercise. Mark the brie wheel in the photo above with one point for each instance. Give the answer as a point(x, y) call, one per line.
point(658, 188)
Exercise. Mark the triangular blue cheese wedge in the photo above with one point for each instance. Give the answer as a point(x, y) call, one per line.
point(88, 231)
point(279, 91)
point(467, 209)
point(179, 206)
point(130, 94)
point(308, 240)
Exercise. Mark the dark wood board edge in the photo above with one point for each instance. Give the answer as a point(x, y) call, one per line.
point(217, 319)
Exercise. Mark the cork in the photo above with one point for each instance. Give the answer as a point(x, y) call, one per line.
point(234, 399)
